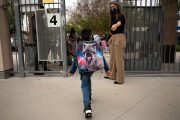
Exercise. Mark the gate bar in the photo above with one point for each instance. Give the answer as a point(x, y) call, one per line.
point(19, 38)
point(64, 47)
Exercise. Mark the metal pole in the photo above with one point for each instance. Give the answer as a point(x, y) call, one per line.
point(19, 38)
point(64, 46)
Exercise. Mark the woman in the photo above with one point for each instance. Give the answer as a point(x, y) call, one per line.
point(117, 44)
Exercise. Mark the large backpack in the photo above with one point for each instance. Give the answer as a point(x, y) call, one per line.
point(89, 56)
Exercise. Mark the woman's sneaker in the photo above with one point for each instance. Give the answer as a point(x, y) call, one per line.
point(88, 112)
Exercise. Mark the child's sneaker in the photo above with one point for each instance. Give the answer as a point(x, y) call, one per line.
point(88, 112)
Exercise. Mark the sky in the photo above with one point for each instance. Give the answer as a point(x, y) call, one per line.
point(70, 3)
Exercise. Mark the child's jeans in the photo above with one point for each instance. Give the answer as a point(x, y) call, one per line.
point(86, 87)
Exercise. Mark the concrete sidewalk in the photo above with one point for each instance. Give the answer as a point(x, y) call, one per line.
point(60, 98)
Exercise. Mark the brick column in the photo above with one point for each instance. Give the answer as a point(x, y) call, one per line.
point(6, 62)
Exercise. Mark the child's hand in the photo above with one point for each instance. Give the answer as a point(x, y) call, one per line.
point(69, 74)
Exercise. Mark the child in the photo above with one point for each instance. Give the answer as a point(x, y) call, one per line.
point(86, 77)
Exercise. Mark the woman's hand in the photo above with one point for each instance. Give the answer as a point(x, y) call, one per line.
point(108, 73)
point(109, 41)
point(114, 27)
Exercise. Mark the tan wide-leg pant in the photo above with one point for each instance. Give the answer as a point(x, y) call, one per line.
point(117, 50)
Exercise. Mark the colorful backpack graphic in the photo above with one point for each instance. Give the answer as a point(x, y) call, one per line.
point(89, 57)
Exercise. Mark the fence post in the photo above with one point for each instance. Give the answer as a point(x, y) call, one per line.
point(64, 46)
point(19, 38)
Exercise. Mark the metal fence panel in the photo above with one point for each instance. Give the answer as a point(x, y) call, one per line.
point(151, 39)
point(42, 47)
point(143, 41)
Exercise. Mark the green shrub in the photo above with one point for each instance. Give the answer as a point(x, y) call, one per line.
point(178, 48)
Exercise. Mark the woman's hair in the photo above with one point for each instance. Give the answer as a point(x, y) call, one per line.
point(119, 9)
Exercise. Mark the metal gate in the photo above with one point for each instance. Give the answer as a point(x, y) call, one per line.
point(152, 38)
point(151, 35)
point(41, 45)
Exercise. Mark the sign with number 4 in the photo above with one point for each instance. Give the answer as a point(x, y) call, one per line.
point(53, 20)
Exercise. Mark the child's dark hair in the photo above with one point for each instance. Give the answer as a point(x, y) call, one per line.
point(86, 34)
